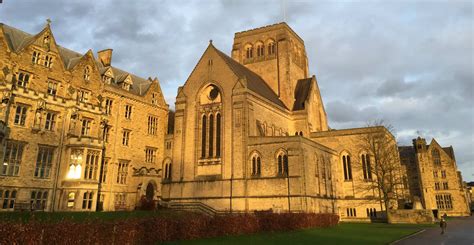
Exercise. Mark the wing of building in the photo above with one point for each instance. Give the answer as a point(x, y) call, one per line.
point(251, 133)
point(77, 133)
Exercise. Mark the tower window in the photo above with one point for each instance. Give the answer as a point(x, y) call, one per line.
point(260, 50)
point(271, 48)
point(249, 52)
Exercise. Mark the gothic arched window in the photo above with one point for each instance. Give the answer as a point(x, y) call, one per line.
point(271, 47)
point(282, 163)
point(366, 168)
point(249, 51)
point(260, 49)
point(346, 164)
point(256, 165)
point(211, 124)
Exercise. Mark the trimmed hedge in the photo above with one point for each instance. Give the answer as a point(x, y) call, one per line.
point(158, 229)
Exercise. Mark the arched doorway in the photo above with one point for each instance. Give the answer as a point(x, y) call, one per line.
point(150, 191)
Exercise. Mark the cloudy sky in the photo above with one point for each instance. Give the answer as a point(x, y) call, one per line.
point(407, 62)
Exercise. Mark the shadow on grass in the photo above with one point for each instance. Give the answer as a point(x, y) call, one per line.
point(346, 233)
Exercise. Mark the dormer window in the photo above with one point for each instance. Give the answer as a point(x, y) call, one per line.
point(87, 73)
point(106, 79)
point(126, 86)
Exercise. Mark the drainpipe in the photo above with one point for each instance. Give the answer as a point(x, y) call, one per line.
point(58, 163)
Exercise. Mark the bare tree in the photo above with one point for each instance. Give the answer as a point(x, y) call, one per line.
point(381, 168)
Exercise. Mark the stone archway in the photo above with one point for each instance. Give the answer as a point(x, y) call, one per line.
point(150, 191)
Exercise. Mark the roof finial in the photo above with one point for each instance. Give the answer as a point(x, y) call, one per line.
point(210, 41)
point(48, 21)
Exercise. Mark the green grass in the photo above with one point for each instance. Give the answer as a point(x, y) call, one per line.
point(344, 233)
point(48, 217)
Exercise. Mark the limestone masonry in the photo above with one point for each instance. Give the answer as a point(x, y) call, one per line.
point(249, 132)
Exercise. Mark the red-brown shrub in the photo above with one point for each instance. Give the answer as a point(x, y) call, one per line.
point(158, 229)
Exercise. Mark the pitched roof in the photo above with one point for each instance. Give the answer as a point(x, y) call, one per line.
point(301, 93)
point(17, 39)
point(254, 81)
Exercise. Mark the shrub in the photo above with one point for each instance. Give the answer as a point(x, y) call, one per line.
point(151, 230)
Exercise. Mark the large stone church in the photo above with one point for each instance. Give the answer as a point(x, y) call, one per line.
point(249, 132)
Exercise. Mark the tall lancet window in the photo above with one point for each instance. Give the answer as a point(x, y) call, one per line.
point(210, 125)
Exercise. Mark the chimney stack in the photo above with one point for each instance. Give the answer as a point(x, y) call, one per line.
point(105, 56)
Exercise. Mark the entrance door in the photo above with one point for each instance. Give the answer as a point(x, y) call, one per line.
point(150, 191)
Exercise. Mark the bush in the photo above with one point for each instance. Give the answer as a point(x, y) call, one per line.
point(158, 229)
point(146, 204)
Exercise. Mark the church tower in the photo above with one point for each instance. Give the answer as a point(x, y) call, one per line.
point(277, 54)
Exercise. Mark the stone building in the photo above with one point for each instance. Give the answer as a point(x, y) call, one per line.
point(250, 132)
point(77, 133)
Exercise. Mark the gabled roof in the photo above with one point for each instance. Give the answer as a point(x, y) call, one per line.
point(254, 81)
point(301, 93)
point(18, 39)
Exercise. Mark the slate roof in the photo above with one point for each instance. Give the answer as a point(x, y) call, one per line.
point(409, 151)
point(301, 93)
point(254, 81)
point(18, 39)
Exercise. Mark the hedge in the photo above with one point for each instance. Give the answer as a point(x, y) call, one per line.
point(158, 229)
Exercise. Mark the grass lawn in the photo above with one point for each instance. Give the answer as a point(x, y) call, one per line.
point(79, 216)
point(344, 233)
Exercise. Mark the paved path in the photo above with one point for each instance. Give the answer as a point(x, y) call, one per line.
point(460, 231)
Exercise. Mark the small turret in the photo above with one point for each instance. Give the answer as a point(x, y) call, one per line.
point(419, 144)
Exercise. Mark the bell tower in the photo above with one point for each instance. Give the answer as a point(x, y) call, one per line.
point(277, 54)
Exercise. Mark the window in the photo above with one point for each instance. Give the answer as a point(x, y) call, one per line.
point(323, 171)
point(12, 158)
point(48, 61)
point(92, 165)
point(120, 200)
point(154, 98)
point(317, 166)
point(125, 137)
point(83, 96)
point(52, 88)
point(150, 155)
point(436, 157)
point(444, 201)
point(44, 161)
point(128, 111)
point(50, 121)
point(23, 79)
point(435, 174)
point(443, 174)
point(372, 212)
point(211, 135)
point(108, 106)
point(35, 59)
point(271, 48)
point(87, 73)
point(437, 186)
point(366, 168)
point(249, 52)
point(282, 164)
point(38, 200)
point(351, 212)
point(126, 86)
point(7, 198)
point(107, 79)
point(445, 185)
point(71, 198)
point(122, 172)
point(256, 165)
point(203, 136)
point(346, 162)
point(168, 171)
point(106, 135)
point(20, 115)
point(86, 127)
point(218, 135)
point(260, 50)
point(152, 125)
point(103, 177)
point(87, 200)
